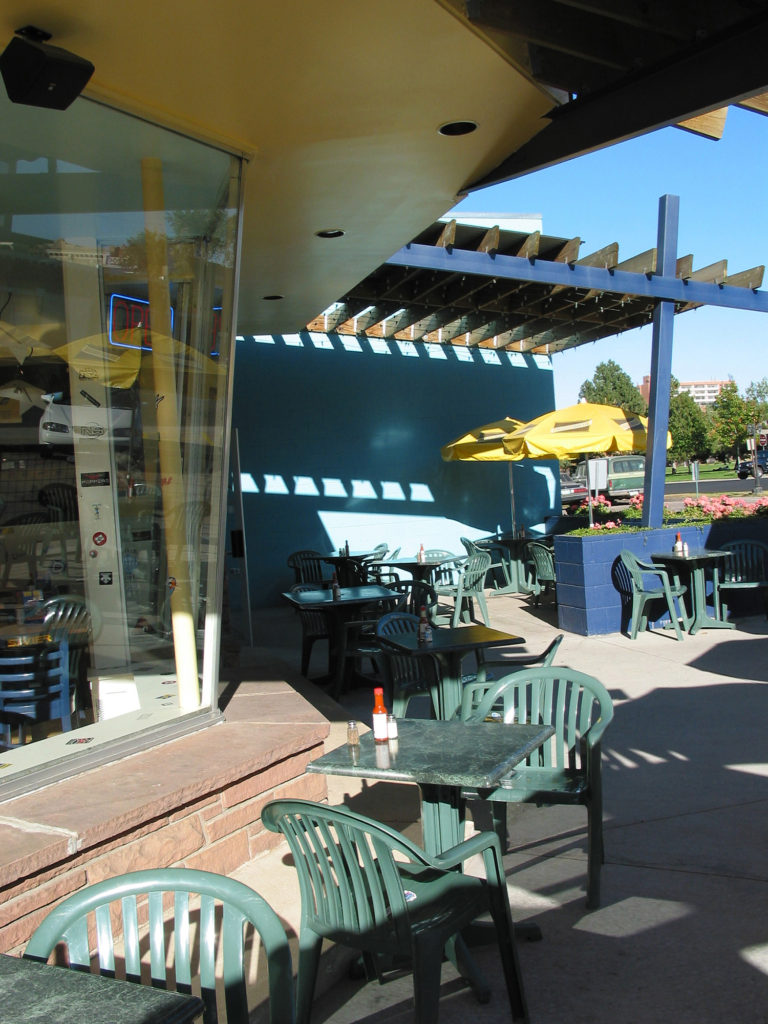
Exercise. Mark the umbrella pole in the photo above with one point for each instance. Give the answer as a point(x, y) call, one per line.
point(169, 451)
point(512, 500)
point(589, 492)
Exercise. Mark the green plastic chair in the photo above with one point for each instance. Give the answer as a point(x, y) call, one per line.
point(314, 626)
point(407, 675)
point(566, 769)
point(69, 616)
point(543, 559)
point(745, 568)
point(415, 594)
point(308, 567)
point(650, 582)
point(489, 668)
point(226, 909)
point(468, 588)
point(498, 577)
point(354, 892)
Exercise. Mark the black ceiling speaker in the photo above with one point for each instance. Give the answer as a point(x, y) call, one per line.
point(41, 75)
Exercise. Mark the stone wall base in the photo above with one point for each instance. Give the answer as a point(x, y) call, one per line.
point(194, 802)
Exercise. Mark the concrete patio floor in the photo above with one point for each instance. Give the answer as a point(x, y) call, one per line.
point(682, 932)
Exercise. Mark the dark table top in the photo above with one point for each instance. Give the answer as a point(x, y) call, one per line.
point(431, 751)
point(694, 555)
point(348, 595)
point(35, 993)
point(408, 561)
point(447, 640)
point(353, 556)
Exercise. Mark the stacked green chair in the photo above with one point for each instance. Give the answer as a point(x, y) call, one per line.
point(366, 886)
point(650, 583)
point(210, 914)
point(567, 768)
point(34, 685)
point(68, 616)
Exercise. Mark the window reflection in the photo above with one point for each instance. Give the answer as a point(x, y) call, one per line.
point(113, 368)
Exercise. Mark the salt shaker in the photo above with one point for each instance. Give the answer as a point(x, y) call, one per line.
point(391, 727)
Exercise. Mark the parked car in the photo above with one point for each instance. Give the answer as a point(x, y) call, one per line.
point(615, 476)
point(60, 423)
point(572, 492)
point(746, 468)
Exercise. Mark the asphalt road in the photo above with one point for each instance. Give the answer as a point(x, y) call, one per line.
point(725, 485)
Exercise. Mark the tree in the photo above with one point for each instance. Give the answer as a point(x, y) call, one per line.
point(689, 429)
point(610, 385)
point(756, 394)
point(731, 418)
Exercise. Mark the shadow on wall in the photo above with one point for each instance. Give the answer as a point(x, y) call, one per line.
point(342, 443)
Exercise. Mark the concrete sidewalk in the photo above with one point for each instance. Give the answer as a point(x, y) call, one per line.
point(682, 933)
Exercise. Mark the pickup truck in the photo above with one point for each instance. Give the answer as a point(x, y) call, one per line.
point(746, 467)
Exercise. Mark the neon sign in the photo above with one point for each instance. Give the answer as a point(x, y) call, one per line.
point(128, 324)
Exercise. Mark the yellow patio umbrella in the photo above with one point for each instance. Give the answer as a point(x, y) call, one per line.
point(483, 444)
point(114, 359)
point(23, 341)
point(582, 429)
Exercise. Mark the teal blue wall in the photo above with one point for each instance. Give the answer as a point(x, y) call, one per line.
point(342, 445)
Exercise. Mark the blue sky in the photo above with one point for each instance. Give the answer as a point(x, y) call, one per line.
point(613, 196)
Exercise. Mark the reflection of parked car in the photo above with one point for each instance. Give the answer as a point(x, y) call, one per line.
point(61, 423)
point(746, 468)
point(572, 491)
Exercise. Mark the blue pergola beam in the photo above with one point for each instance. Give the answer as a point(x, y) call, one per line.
point(661, 368)
point(571, 275)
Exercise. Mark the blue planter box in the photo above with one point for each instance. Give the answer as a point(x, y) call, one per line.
point(588, 599)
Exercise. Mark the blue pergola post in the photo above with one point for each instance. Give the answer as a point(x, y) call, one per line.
point(661, 366)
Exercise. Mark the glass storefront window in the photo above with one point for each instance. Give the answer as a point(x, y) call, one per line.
point(118, 243)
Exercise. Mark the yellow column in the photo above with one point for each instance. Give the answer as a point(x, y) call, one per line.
point(168, 447)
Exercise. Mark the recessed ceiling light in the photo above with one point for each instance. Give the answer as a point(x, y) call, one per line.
point(330, 233)
point(458, 128)
point(272, 298)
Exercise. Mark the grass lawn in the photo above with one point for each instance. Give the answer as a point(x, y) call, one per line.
point(706, 472)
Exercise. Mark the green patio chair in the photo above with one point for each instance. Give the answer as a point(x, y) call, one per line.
point(366, 886)
point(309, 567)
point(468, 588)
point(314, 627)
point(445, 573)
point(745, 568)
point(542, 558)
point(650, 583)
point(415, 595)
point(407, 675)
point(493, 667)
point(498, 577)
point(207, 915)
point(566, 769)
